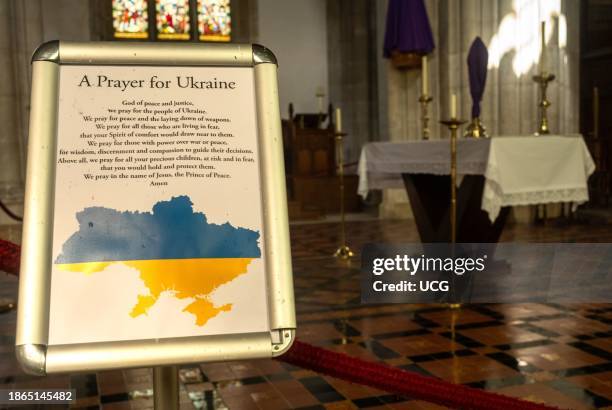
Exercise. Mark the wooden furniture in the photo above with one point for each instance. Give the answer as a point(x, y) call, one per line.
point(310, 164)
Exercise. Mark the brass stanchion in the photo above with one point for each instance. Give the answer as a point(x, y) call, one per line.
point(453, 125)
point(165, 388)
point(343, 252)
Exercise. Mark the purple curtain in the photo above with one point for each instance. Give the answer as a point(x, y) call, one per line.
point(408, 29)
point(477, 60)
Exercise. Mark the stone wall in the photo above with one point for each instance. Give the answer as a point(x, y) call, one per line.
point(353, 58)
point(297, 34)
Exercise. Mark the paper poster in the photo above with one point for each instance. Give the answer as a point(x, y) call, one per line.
point(158, 219)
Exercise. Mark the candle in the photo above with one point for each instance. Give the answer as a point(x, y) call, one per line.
point(320, 95)
point(338, 120)
point(543, 55)
point(424, 76)
point(453, 106)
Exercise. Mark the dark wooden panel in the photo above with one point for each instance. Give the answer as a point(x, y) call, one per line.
point(596, 60)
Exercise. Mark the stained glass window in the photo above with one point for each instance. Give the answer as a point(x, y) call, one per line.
point(130, 18)
point(172, 19)
point(214, 20)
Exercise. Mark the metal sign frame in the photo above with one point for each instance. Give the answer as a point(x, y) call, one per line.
point(33, 351)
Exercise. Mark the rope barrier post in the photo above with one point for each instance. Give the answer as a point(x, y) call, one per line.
point(343, 252)
point(165, 388)
point(453, 125)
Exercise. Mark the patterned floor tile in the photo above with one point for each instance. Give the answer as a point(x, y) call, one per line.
point(549, 353)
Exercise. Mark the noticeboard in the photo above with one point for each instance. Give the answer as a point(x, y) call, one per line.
point(155, 226)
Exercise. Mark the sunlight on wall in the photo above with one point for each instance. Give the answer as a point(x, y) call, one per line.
point(519, 31)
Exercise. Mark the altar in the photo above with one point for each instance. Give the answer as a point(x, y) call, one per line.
point(494, 175)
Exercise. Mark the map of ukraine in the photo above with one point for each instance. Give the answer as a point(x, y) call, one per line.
point(173, 248)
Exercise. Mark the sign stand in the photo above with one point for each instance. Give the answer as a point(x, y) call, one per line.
point(161, 145)
point(165, 388)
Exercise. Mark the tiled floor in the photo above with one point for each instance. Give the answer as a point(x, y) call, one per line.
point(560, 355)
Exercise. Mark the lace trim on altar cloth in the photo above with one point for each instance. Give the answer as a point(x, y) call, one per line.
point(493, 199)
point(436, 168)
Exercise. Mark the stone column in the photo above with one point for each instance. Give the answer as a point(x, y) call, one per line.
point(353, 54)
point(244, 21)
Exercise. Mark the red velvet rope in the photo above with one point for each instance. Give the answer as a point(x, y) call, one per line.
point(9, 257)
point(354, 370)
point(400, 382)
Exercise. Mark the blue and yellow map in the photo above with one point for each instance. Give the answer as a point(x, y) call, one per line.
point(175, 250)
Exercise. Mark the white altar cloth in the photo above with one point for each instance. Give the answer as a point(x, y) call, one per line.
point(518, 170)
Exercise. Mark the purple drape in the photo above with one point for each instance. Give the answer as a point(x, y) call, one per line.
point(408, 29)
point(477, 60)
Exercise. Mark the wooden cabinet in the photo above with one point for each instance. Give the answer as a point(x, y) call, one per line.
point(310, 164)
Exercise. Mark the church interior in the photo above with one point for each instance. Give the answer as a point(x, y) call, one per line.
point(370, 94)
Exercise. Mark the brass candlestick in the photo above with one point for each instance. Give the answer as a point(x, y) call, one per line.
point(476, 129)
point(343, 252)
point(425, 99)
point(320, 95)
point(453, 125)
point(543, 79)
